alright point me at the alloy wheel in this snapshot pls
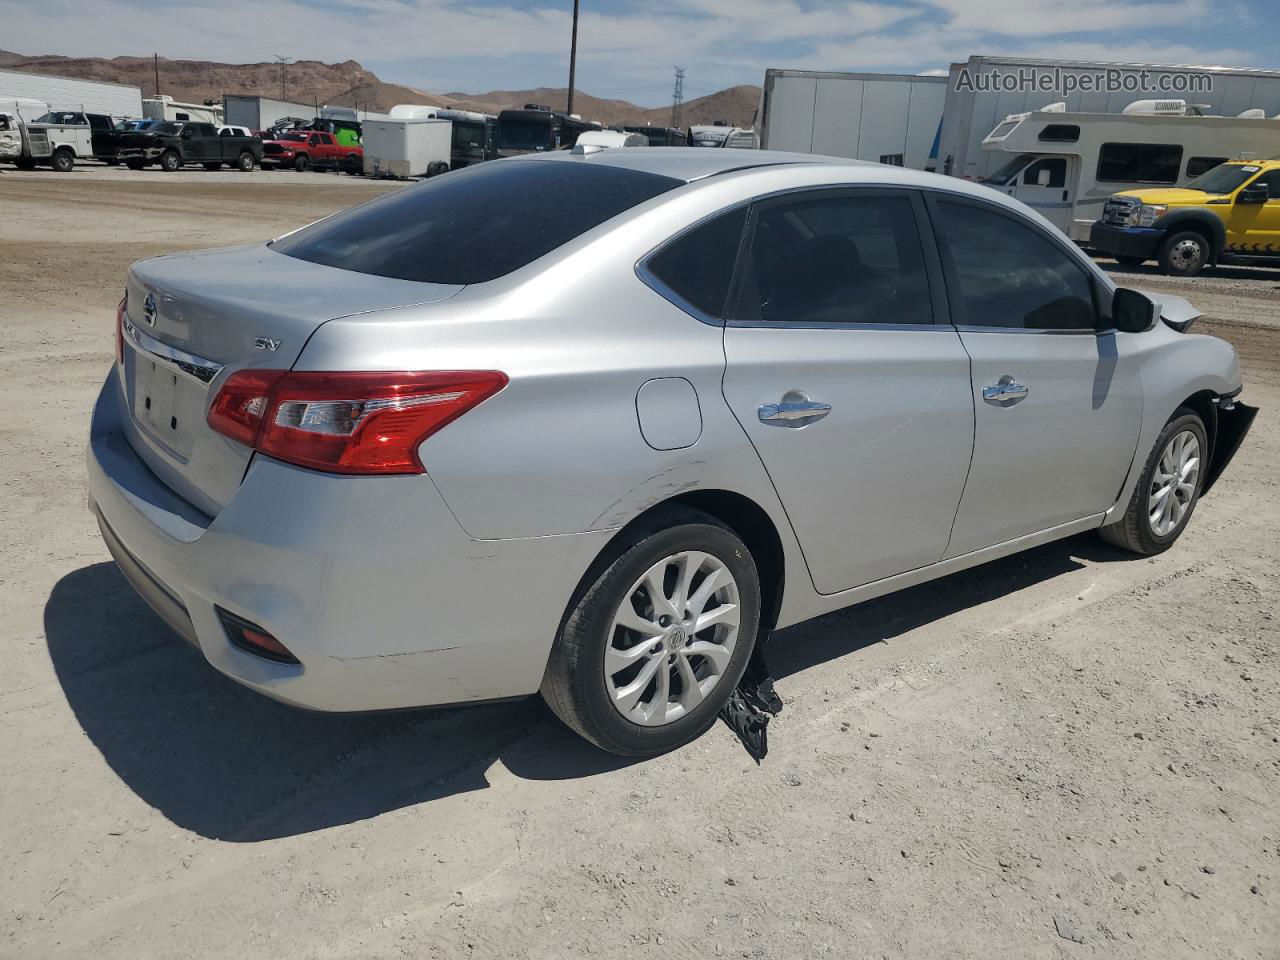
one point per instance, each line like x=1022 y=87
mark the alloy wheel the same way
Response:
x=672 y=638
x=1173 y=483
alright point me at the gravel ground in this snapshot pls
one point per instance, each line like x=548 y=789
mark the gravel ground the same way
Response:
x=1069 y=753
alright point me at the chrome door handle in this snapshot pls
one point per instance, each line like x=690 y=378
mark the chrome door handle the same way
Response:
x=794 y=410
x=1008 y=391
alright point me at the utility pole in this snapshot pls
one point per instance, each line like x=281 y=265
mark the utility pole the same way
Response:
x=573 y=57
x=155 y=62
x=677 y=98
x=284 y=90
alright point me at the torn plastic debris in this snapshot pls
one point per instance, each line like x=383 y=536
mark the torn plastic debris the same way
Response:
x=752 y=705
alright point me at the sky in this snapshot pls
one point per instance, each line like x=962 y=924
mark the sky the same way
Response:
x=627 y=49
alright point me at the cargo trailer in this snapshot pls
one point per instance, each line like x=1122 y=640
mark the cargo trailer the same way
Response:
x=413 y=147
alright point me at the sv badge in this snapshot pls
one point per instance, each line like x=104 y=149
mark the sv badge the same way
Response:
x=265 y=343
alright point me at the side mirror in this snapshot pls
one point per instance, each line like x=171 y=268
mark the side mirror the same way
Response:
x=1044 y=177
x=1131 y=311
x=1253 y=194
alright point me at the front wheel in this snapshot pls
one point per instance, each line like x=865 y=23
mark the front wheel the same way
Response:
x=1168 y=490
x=170 y=161
x=1184 y=254
x=652 y=650
x=302 y=163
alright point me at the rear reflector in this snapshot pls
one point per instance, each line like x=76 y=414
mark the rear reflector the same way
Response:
x=253 y=639
x=359 y=423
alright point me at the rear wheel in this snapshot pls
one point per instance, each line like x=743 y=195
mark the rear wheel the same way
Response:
x=1184 y=254
x=244 y=162
x=1168 y=490
x=302 y=163
x=170 y=161
x=652 y=650
x=63 y=161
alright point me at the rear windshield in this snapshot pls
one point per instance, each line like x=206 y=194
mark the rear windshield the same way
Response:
x=476 y=224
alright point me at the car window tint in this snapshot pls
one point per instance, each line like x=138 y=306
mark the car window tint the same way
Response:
x=476 y=224
x=698 y=266
x=1011 y=275
x=836 y=259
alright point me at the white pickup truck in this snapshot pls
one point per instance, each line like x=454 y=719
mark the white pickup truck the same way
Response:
x=57 y=139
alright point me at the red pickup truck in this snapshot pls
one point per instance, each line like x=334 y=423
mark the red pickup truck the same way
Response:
x=308 y=149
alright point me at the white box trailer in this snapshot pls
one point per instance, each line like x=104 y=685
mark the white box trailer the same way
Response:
x=881 y=117
x=259 y=113
x=67 y=93
x=972 y=111
x=1066 y=165
x=407 y=147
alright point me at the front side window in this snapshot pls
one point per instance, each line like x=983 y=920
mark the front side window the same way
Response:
x=476 y=224
x=1008 y=274
x=1139 y=163
x=1271 y=180
x=1056 y=168
x=836 y=259
x=697 y=266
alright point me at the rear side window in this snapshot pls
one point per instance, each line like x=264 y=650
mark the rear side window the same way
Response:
x=697 y=267
x=836 y=260
x=475 y=224
x=1011 y=275
x=1139 y=163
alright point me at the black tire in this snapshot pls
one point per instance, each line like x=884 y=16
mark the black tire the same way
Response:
x=244 y=162
x=1185 y=253
x=1134 y=530
x=170 y=161
x=113 y=163
x=25 y=163
x=437 y=168
x=64 y=161
x=574 y=683
x=213 y=166
x=1130 y=261
x=302 y=163
x=134 y=164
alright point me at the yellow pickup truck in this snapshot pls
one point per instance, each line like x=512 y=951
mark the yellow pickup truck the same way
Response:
x=1231 y=214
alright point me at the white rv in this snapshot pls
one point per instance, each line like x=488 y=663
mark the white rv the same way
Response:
x=165 y=108
x=1065 y=165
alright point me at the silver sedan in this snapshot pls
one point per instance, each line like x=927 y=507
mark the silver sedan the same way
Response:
x=594 y=423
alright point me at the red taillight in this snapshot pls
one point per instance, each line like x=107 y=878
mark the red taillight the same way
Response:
x=346 y=422
x=124 y=302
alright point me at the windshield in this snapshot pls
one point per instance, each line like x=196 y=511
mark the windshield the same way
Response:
x=1009 y=170
x=170 y=128
x=1223 y=179
x=62 y=116
x=525 y=134
x=475 y=224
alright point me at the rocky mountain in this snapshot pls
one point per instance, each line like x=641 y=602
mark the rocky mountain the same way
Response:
x=350 y=84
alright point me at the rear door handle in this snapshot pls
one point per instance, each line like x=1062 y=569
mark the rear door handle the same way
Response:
x=1005 y=393
x=795 y=409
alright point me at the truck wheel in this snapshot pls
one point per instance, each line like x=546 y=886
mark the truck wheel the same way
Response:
x=63 y=160
x=302 y=163
x=1130 y=261
x=170 y=161
x=213 y=166
x=353 y=163
x=134 y=164
x=1184 y=254
x=244 y=162
x=437 y=168
x=25 y=163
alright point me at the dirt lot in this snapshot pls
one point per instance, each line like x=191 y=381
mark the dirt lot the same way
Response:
x=1066 y=744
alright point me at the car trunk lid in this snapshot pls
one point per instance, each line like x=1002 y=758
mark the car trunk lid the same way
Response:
x=194 y=319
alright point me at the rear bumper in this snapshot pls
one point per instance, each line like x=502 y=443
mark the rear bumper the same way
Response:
x=1125 y=241
x=370 y=582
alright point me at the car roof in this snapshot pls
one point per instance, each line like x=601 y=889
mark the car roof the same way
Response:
x=688 y=163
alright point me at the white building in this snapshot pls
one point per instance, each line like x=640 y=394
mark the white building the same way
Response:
x=65 y=93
